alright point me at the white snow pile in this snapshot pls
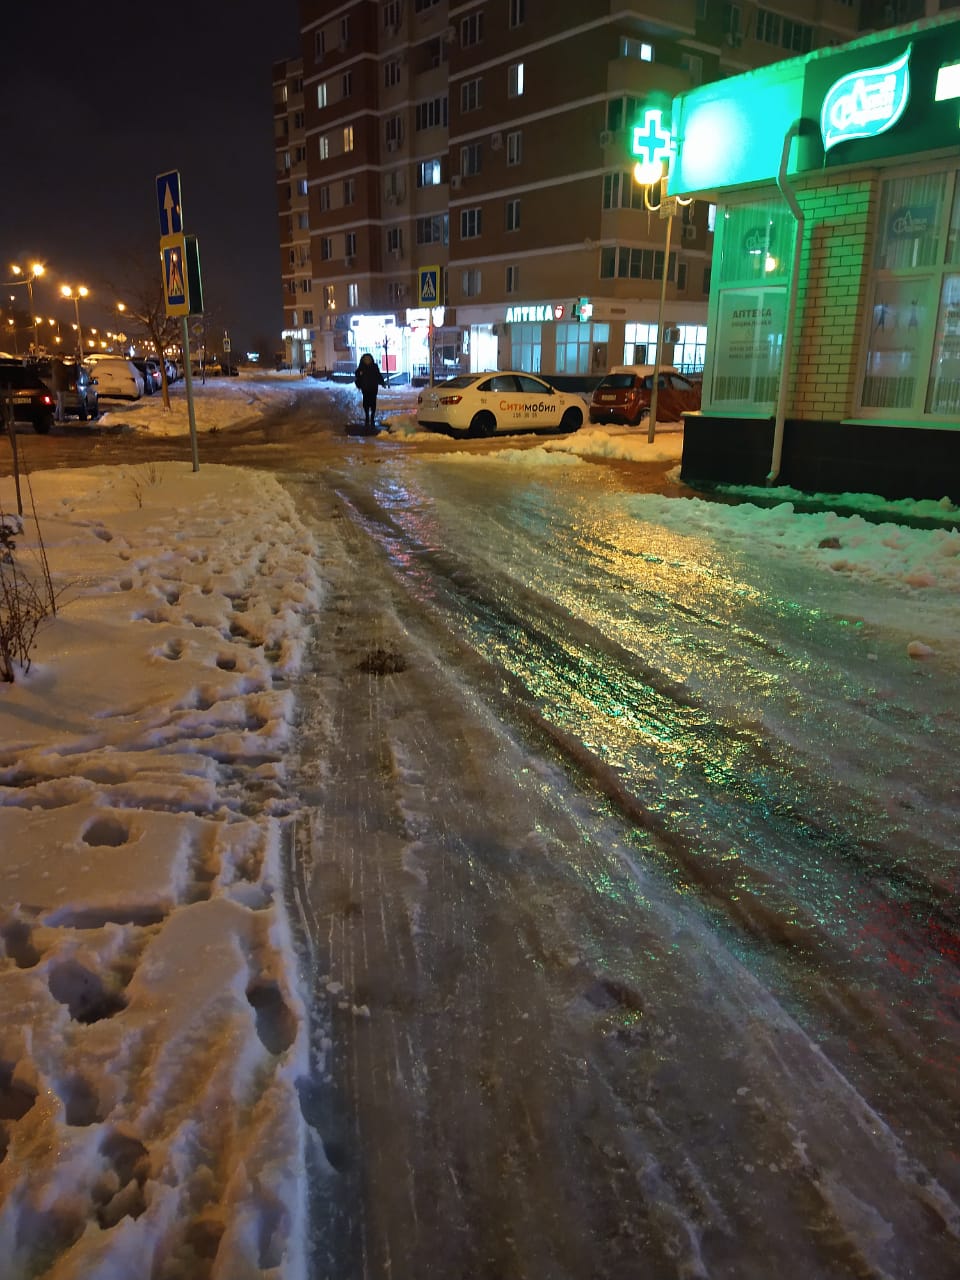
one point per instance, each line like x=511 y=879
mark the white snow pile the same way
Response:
x=151 y=1036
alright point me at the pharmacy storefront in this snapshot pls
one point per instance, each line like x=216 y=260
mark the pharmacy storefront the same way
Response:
x=582 y=337
x=833 y=356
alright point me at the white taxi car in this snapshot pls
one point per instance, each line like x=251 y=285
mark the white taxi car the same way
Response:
x=479 y=404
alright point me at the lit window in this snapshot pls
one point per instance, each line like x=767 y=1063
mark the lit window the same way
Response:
x=323 y=146
x=353 y=295
x=515 y=80
x=428 y=173
x=322 y=94
x=471 y=282
x=639 y=49
x=302 y=187
x=348 y=137
x=329 y=297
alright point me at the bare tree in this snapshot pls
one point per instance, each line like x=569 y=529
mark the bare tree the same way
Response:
x=139 y=290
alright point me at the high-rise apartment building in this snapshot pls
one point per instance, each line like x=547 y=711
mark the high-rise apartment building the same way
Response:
x=480 y=149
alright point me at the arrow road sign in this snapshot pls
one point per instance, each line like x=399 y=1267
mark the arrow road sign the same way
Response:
x=168 y=203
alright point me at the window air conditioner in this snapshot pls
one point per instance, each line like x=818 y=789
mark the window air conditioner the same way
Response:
x=496 y=141
x=690 y=232
x=456 y=182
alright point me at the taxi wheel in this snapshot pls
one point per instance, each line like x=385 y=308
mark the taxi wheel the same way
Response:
x=483 y=424
x=572 y=420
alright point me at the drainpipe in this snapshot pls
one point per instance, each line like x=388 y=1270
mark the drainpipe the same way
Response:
x=787 y=356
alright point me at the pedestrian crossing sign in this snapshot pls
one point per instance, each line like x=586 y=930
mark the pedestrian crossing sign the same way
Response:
x=175 y=290
x=429 y=286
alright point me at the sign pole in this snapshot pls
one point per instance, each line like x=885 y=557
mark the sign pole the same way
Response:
x=188 y=378
x=652 y=424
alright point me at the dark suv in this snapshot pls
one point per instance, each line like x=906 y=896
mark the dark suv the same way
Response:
x=80 y=396
x=27 y=395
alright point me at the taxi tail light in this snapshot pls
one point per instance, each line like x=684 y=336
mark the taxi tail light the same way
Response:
x=450 y=399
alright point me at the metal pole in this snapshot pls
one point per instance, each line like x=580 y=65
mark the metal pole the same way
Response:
x=652 y=424
x=430 y=343
x=36 y=331
x=188 y=378
x=76 y=311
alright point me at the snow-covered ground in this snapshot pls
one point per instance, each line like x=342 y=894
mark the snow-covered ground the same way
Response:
x=152 y=1031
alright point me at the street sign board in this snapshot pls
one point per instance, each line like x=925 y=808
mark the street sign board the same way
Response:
x=428 y=286
x=175 y=290
x=168 y=203
x=226 y=343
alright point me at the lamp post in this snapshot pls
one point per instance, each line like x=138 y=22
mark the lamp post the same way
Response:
x=36 y=271
x=76 y=294
x=654 y=145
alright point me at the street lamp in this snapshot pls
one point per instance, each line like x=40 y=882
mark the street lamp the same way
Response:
x=36 y=271
x=654 y=145
x=76 y=294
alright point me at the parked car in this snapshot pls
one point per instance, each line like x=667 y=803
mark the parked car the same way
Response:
x=81 y=396
x=150 y=372
x=27 y=394
x=117 y=378
x=479 y=404
x=624 y=395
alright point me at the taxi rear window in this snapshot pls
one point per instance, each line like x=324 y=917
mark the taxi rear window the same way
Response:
x=619 y=381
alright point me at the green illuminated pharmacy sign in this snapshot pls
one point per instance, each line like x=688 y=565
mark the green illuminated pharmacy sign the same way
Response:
x=881 y=97
x=865 y=103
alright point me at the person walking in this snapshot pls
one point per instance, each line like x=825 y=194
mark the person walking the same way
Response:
x=369 y=379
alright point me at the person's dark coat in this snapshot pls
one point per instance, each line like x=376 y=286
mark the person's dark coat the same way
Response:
x=368 y=376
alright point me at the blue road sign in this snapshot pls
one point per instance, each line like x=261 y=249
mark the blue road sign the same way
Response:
x=429 y=286
x=168 y=203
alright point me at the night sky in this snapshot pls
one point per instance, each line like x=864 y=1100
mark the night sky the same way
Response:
x=95 y=101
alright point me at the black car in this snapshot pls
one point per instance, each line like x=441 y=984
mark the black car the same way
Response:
x=152 y=377
x=29 y=397
x=79 y=386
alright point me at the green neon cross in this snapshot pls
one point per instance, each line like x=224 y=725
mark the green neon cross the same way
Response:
x=651 y=140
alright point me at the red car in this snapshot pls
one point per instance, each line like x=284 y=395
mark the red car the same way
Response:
x=624 y=395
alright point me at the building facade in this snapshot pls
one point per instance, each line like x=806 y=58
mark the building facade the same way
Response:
x=833 y=355
x=468 y=185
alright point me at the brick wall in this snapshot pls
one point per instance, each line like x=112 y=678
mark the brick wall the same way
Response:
x=835 y=262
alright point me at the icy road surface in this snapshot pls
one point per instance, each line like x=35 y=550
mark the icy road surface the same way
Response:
x=631 y=894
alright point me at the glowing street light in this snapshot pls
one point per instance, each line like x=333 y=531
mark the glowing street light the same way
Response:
x=36 y=271
x=76 y=294
x=654 y=146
